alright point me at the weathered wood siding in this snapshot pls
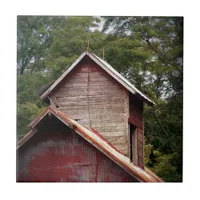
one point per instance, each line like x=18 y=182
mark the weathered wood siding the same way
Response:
x=92 y=97
x=136 y=118
x=58 y=154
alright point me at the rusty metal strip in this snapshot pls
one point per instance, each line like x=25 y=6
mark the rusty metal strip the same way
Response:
x=158 y=179
x=26 y=138
x=37 y=119
x=99 y=142
x=105 y=148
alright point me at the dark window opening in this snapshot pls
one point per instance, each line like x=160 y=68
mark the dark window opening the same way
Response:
x=131 y=141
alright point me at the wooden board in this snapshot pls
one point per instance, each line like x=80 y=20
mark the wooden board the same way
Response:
x=92 y=97
x=136 y=112
x=140 y=147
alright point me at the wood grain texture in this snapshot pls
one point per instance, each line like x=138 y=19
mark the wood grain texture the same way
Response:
x=136 y=118
x=135 y=146
x=136 y=112
x=92 y=97
x=140 y=147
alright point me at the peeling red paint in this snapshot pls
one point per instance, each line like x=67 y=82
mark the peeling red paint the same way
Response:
x=97 y=141
x=57 y=157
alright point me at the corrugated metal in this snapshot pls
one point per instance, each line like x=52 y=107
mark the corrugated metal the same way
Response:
x=60 y=158
x=108 y=68
x=99 y=142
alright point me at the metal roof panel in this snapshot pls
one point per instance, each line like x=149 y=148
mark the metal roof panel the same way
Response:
x=98 y=141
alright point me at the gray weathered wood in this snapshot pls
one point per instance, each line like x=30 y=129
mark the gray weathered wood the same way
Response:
x=98 y=102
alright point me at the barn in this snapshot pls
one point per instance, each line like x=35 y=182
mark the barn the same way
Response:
x=92 y=130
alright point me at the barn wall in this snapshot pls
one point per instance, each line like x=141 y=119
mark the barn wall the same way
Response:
x=136 y=111
x=64 y=156
x=97 y=101
x=136 y=118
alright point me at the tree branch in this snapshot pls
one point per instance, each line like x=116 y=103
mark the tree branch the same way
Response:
x=161 y=126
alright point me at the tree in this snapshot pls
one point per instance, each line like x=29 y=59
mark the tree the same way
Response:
x=76 y=35
x=34 y=36
x=152 y=56
x=154 y=46
x=46 y=46
x=148 y=51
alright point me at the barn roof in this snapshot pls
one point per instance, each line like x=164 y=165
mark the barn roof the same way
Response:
x=98 y=141
x=109 y=69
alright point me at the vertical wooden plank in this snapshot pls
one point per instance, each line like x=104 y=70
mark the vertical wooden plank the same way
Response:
x=129 y=135
x=136 y=112
x=136 y=118
x=140 y=148
x=126 y=116
x=135 y=146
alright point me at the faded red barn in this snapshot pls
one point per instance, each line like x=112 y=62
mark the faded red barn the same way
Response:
x=92 y=131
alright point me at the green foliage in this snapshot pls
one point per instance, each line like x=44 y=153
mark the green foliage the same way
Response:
x=34 y=36
x=70 y=40
x=148 y=51
x=28 y=102
x=150 y=54
x=25 y=114
x=164 y=165
x=46 y=47
x=27 y=85
x=153 y=52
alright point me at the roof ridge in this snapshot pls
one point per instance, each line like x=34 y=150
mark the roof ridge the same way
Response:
x=123 y=78
x=108 y=68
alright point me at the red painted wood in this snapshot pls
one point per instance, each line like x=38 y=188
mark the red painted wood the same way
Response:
x=63 y=155
x=136 y=112
x=140 y=147
x=136 y=118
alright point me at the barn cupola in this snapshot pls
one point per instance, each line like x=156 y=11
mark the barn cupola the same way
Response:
x=98 y=97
